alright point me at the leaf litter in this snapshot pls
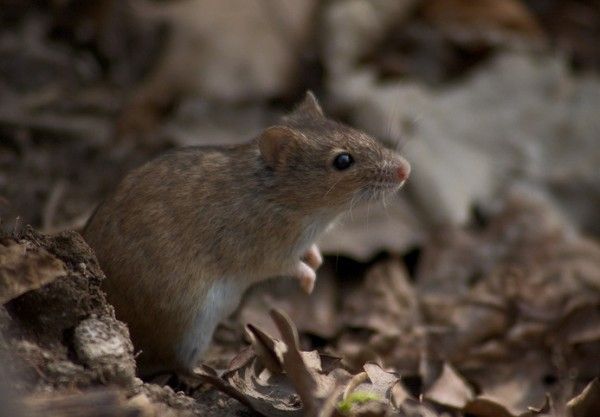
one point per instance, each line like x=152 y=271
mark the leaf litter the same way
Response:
x=516 y=334
x=500 y=320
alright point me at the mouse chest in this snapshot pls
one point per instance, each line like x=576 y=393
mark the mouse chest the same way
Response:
x=315 y=228
x=310 y=231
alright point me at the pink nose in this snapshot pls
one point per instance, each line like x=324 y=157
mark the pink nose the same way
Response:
x=403 y=170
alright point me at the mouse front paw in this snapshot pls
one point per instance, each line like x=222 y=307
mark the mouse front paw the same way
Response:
x=306 y=276
x=313 y=257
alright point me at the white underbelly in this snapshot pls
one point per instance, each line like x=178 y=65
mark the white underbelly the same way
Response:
x=221 y=300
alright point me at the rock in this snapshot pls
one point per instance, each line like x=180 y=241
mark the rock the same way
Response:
x=46 y=324
x=104 y=346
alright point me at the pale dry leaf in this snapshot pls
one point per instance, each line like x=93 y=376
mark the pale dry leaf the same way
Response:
x=400 y=395
x=450 y=389
x=24 y=268
x=382 y=381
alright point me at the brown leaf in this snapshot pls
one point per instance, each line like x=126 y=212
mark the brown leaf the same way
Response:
x=314 y=314
x=265 y=348
x=586 y=404
x=393 y=304
x=207 y=374
x=485 y=407
x=99 y=403
x=392 y=318
x=580 y=325
x=23 y=268
x=450 y=389
x=516 y=383
x=294 y=384
x=483 y=19
x=294 y=365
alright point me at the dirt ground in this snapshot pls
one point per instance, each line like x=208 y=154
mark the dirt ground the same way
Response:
x=492 y=312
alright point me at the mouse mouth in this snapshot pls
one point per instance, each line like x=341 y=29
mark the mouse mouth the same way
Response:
x=386 y=181
x=389 y=184
x=381 y=189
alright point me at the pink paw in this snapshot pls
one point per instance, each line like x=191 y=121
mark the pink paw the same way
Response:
x=313 y=257
x=306 y=276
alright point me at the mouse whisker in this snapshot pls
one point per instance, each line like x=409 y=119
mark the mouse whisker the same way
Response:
x=368 y=215
x=352 y=202
x=358 y=197
x=334 y=184
x=403 y=140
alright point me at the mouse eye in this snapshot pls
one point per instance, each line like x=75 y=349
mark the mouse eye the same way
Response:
x=343 y=161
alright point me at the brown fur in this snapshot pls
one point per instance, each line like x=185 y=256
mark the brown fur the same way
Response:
x=194 y=217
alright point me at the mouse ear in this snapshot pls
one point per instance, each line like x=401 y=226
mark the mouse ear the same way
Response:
x=274 y=143
x=309 y=107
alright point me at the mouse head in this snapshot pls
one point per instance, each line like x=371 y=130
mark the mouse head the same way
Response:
x=318 y=163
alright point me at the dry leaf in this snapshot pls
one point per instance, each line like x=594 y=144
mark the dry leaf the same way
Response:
x=485 y=407
x=482 y=20
x=382 y=382
x=98 y=403
x=313 y=314
x=295 y=383
x=266 y=349
x=450 y=389
x=24 y=268
x=586 y=404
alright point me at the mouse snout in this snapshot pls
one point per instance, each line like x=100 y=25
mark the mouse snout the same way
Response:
x=402 y=170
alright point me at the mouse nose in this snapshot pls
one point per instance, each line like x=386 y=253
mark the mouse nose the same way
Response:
x=403 y=170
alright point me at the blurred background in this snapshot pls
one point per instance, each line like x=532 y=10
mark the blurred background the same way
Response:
x=489 y=254
x=484 y=97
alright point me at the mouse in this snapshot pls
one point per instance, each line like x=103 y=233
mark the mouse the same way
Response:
x=183 y=236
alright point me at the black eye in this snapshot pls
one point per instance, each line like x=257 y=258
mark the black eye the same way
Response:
x=343 y=161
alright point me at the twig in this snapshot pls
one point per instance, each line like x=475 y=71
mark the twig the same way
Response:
x=51 y=206
x=354 y=382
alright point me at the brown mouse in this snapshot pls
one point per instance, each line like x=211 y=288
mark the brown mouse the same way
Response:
x=183 y=236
